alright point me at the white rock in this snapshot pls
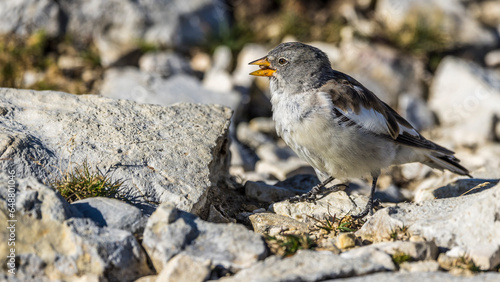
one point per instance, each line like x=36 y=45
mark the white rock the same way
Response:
x=465 y=98
x=451 y=222
x=164 y=63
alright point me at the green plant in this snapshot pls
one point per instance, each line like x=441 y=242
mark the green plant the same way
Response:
x=400 y=257
x=288 y=245
x=83 y=182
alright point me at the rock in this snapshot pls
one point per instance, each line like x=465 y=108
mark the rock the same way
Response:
x=171 y=232
x=131 y=84
x=492 y=58
x=263 y=192
x=52 y=246
x=307 y=265
x=29 y=16
x=420 y=266
x=346 y=240
x=121 y=254
x=166 y=154
x=112 y=213
x=416 y=111
x=273 y=224
x=423 y=276
x=164 y=63
x=222 y=59
x=336 y=203
x=416 y=250
x=456 y=188
x=467 y=114
x=462 y=215
x=185 y=268
x=415 y=171
x=177 y=24
x=449 y=18
x=70 y=63
x=216 y=80
x=282 y=170
x=383 y=70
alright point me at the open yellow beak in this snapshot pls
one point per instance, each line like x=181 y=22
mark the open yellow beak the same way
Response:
x=265 y=67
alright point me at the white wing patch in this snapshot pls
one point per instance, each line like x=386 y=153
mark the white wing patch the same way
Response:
x=368 y=119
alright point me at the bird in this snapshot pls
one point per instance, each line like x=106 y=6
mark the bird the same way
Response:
x=337 y=125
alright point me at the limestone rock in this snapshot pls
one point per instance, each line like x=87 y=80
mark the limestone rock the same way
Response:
x=462 y=215
x=171 y=232
x=112 y=213
x=164 y=63
x=132 y=84
x=28 y=16
x=273 y=224
x=165 y=154
x=448 y=17
x=336 y=203
x=51 y=246
x=465 y=97
x=307 y=265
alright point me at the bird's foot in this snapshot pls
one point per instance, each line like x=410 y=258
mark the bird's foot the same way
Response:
x=368 y=208
x=316 y=193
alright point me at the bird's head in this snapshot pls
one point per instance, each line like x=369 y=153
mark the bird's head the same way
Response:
x=294 y=62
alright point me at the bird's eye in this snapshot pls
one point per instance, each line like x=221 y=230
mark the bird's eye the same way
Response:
x=282 y=61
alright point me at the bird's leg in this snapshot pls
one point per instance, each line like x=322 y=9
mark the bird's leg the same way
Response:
x=370 y=204
x=315 y=191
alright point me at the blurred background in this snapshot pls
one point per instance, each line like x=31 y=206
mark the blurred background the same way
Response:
x=436 y=61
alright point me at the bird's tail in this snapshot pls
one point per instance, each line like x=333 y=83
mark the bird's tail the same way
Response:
x=449 y=162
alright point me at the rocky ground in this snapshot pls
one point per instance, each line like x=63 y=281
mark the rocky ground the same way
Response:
x=184 y=135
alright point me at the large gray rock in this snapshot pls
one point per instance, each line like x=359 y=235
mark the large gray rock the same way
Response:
x=465 y=97
x=132 y=84
x=450 y=18
x=307 y=265
x=112 y=213
x=29 y=16
x=49 y=245
x=163 y=154
x=174 y=23
x=170 y=232
x=470 y=222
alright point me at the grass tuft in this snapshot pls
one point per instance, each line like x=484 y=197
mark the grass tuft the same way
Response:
x=83 y=182
x=288 y=245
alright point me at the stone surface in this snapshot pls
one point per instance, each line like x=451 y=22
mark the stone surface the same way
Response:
x=29 y=16
x=383 y=70
x=176 y=23
x=132 y=84
x=274 y=224
x=416 y=250
x=420 y=266
x=448 y=17
x=465 y=97
x=52 y=246
x=165 y=154
x=171 y=232
x=336 y=203
x=492 y=59
x=426 y=276
x=263 y=192
x=185 y=268
x=346 y=240
x=164 y=63
x=471 y=223
x=455 y=189
x=308 y=265
x=112 y=213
